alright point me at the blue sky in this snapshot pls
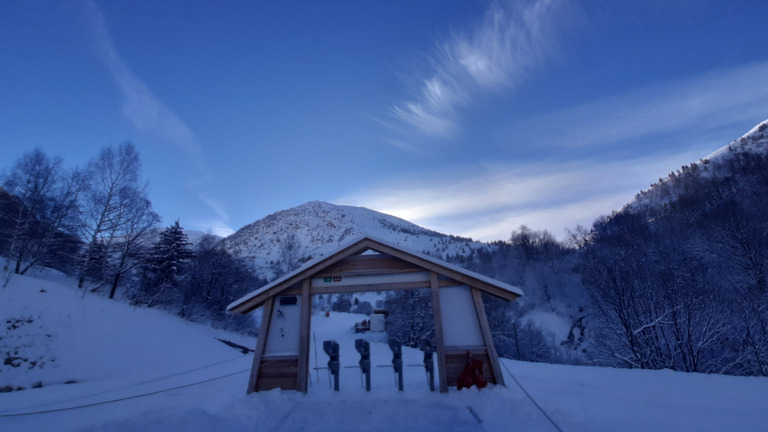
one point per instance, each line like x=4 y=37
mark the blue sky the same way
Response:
x=467 y=117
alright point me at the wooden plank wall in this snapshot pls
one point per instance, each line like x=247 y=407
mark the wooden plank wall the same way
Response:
x=278 y=371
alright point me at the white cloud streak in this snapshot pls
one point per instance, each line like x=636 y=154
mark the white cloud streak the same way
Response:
x=152 y=117
x=141 y=107
x=720 y=98
x=501 y=197
x=556 y=195
x=512 y=40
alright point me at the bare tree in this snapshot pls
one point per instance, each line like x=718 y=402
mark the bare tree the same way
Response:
x=134 y=239
x=289 y=255
x=47 y=203
x=109 y=205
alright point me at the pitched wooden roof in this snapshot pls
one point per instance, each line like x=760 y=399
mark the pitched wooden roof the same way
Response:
x=256 y=298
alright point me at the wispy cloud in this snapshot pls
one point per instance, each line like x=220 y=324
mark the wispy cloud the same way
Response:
x=213 y=226
x=487 y=202
x=152 y=117
x=144 y=110
x=220 y=225
x=716 y=99
x=512 y=40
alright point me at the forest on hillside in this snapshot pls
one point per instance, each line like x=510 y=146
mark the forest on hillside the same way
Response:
x=96 y=224
x=681 y=284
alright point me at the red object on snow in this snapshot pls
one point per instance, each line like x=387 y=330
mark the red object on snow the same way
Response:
x=472 y=374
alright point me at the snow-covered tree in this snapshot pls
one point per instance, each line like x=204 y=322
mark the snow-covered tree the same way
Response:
x=410 y=319
x=165 y=268
x=213 y=280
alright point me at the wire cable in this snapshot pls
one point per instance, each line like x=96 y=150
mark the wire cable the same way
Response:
x=531 y=398
x=123 y=399
x=131 y=385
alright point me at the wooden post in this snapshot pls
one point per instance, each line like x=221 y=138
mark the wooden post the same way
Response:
x=261 y=344
x=306 y=311
x=487 y=336
x=440 y=348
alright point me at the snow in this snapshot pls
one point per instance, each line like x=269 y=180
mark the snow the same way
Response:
x=548 y=321
x=115 y=351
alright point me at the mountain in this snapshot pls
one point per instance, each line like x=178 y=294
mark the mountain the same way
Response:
x=688 y=258
x=717 y=165
x=284 y=240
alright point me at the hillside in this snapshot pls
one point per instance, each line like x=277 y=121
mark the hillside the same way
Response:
x=284 y=240
x=717 y=165
x=141 y=370
x=688 y=258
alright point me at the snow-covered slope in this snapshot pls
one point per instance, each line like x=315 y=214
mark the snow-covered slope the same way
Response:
x=142 y=370
x=754 y=141
x=316 y=228
x=52 y=334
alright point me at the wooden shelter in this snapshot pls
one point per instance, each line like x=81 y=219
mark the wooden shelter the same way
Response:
x=282 y=351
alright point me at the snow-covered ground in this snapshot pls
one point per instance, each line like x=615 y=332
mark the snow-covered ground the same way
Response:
x=134 y=356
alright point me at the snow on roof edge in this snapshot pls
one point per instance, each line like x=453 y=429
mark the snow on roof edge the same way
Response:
x=511 y=288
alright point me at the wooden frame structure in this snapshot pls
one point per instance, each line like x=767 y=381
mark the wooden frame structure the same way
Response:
x=367 y=264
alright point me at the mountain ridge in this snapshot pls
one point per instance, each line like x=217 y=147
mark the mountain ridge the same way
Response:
x=755 y=141
x=282 y=241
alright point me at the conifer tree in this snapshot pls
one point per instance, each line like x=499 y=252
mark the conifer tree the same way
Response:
x=165 y=268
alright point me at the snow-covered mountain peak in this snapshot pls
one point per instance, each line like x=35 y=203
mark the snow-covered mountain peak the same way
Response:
x=287 y=238
x=755 y=141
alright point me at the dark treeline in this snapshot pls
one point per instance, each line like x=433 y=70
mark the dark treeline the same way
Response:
x=96 y=223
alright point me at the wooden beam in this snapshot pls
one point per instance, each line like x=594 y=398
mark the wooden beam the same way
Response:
x=440 y=348
x=256 y=301
x=363 y=265
x=306 y=311
x=447 y=271
x=487 y=336
x=463 y=349
x=261 y=344
x=354 y=251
